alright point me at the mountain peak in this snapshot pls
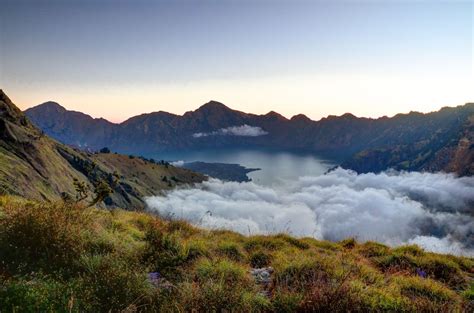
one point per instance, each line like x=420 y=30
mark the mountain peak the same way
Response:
x=276 y=116
x=349 y=116
x=213 y=105
x=51 y=106
x=301 y=117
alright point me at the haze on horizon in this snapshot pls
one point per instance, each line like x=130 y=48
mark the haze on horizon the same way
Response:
x=117 y=59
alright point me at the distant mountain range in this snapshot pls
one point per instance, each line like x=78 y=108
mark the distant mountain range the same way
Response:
x=34 y=166
x=437 y=141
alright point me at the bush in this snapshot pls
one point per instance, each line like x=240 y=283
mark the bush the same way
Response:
x=469 y=293
x=110 y=283
x=331 y=296
x=396 y=262
x=42 y=237
x=443 y=269
x=231 y=250
x=298 y=243
x=263 y=243
x=38 y=293
x=182 y=227
x=260 y=259
x=413 y=250
x=163 y=251
x=348 y=243
x=374 y=249
x=196 y=249
x=221 y=286
x=286 y=302
x=223 y=270
x=217 y=296
x=427 y=288
x=381 y=300
x=299 y=274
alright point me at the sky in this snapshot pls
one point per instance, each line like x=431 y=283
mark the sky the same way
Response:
x=117 y=59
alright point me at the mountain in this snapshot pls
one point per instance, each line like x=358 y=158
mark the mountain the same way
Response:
x=35 y=166
x=73 y=128
x=436 y=141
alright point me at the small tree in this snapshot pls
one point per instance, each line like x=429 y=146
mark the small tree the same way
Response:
x=82 y=190
x=101 y=190
x=104 y=150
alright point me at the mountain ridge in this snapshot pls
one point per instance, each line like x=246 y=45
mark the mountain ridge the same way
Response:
x=355 y=142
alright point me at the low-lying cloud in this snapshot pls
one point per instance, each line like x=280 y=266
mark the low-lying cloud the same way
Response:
x=434 y=211
x=243 y=130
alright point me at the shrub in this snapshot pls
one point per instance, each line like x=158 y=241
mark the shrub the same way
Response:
x=469 y=293
x=396 y=262
x=221 y=286
x=196 y=248
x=163 y=251
x=411 y=250
x=294 y=242
x=348 y=243
x=230 y=250
x=369 y=275
x=443 y=269
x=373 y=249
x=426 y=288
x=109 y=283
x=299 y=274
x=218 y=296
x=222 y=270
x=286 y=302
x=263 y=242
x=182 y=227
x=38 y=293
x=44 y=236
x=260 y=259
x=331 y=296
x=382 y=300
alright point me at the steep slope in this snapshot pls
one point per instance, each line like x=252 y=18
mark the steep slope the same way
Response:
x=34 y=166
x=412 y=141
x=444 y=142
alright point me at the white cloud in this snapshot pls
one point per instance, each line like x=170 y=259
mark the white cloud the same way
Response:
x=178 y=163
x=432 y=210
x=243 y=130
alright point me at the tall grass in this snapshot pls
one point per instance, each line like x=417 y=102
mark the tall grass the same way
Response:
x=57 y=257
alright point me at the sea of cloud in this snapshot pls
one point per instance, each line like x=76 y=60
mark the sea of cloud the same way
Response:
x=435 y=211
x=243 y=130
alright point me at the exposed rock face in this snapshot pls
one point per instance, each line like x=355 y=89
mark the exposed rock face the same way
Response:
x=435 y=141
x=34 y=166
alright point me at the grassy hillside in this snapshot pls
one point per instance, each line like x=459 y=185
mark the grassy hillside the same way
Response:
x=58 y=257
x=35 y=166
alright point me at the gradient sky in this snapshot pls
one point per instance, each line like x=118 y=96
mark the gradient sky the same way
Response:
x=116 y=59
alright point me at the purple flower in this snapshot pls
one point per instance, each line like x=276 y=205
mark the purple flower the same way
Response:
x=154 y=277
x=421 y=273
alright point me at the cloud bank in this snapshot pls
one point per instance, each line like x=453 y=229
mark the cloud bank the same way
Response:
x=243 y=130
x=434 y=211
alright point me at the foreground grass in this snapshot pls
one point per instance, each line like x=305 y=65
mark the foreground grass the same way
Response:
x=58 y=258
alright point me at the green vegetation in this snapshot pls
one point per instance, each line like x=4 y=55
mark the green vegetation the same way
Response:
x=63 y=257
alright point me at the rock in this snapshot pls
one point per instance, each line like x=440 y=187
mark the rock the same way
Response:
x=263 y=277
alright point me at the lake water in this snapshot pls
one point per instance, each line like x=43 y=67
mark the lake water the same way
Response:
x=276 y=167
